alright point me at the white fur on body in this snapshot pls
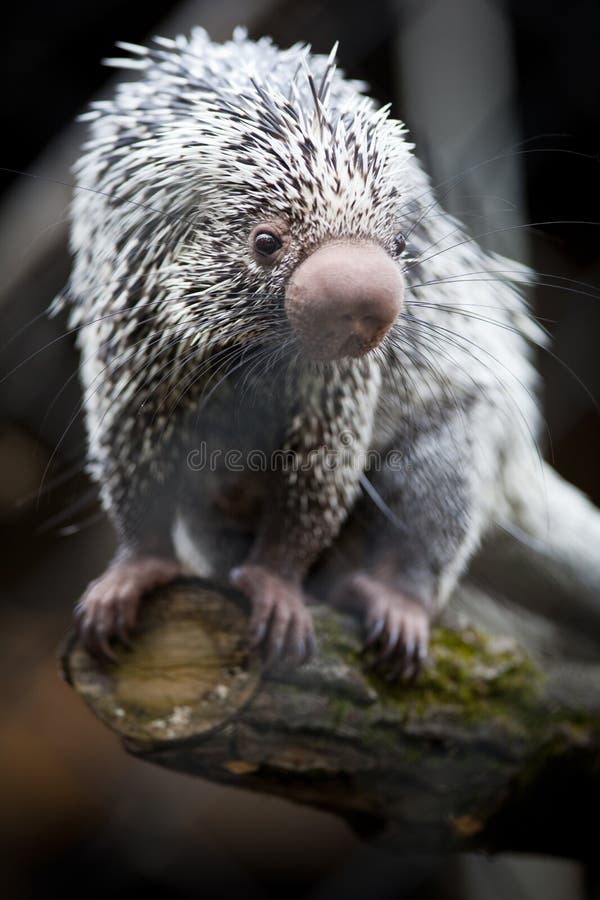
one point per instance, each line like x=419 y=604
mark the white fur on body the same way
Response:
x=178 y=168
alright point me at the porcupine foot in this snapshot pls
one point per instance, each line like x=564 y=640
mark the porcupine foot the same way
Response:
x=396 y=626
x=108 y=609
x=280 y=623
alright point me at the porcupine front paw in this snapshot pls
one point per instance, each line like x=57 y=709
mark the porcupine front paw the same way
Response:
x=280 y=623
x=396 y=626
x=108 y=609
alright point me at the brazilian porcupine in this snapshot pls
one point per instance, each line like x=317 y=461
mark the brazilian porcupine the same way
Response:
x=260 y=264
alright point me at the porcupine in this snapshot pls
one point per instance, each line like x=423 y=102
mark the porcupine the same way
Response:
x=260 y=262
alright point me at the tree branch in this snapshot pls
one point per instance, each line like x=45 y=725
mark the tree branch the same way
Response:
x=477 y=753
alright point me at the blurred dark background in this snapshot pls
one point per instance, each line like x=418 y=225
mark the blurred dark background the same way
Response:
x=504 y=94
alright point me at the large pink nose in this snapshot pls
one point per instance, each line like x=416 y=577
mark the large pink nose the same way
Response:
x=343 y=299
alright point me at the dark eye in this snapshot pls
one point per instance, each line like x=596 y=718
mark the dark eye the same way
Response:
x=400 y=243
x=266 y=243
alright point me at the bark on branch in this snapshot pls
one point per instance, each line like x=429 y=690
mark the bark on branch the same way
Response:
x=495 y=746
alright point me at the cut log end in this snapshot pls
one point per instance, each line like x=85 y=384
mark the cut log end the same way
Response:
x=187 y=673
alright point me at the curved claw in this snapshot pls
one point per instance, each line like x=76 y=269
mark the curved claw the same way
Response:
x=122 y=633
x=257 y=634
x=374 y=631
x=391 y=645
x=105 y=648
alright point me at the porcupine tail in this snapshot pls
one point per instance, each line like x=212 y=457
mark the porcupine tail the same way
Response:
x=543 y=561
